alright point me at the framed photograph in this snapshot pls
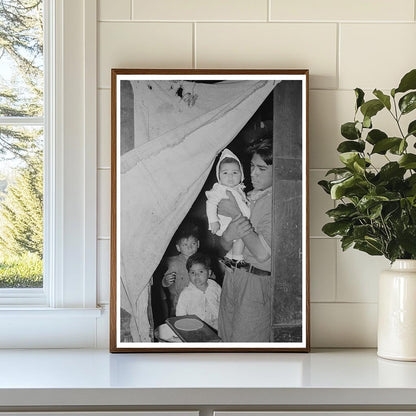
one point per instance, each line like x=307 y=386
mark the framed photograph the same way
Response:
x=209 y=211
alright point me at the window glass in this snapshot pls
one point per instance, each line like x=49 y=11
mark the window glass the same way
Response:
x=21 y=143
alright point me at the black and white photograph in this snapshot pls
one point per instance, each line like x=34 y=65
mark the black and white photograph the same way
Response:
x=209 y=211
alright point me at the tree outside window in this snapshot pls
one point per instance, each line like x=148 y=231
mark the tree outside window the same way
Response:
x=21 y=143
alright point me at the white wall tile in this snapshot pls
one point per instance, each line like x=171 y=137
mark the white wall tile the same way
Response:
x=104 y=202
x=114 y=10
x=142 y=45
x=340 y=10
x=371 y=55
x=376 y=55
x=200 y=10
x=103 y=271
x=104 y=129
x=357 y=275
x=328 y=110
x=319 y=203
x=258 y=45
x=349 y=325
x=323 y=269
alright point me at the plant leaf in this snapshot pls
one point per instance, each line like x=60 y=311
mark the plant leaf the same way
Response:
x=375 y=211
x=325 y=186
x=342 y=211
x=338 y=189
x=411 y=130
x=375 y=136
x=367 y=122
x=398 y=149
x=349 y=146
x=383 y=145
x=360 y=232
x=393 y=250
x=346 y=242
x=359 y=95
x=385 y=99
x=408 y=82
x=368 y=201
x=371 y=108
x=354 y=188
x=359 y=165
x=336 y=228
x=349 y=131
x=408 y=102
x=368 y=248
x=407 y=239
x=402 y=147
x=338 y=171
x=354 y=161
x=408 y=161
x=391 y=170
x=348 y=158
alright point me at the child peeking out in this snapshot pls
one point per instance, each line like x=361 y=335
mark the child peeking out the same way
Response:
x=202 y=295
x=176 y=276
x=230 y=178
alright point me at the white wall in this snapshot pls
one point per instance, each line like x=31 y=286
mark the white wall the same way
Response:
x=345 y=44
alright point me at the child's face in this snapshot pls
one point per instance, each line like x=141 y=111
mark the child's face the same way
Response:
x=198 y=275
x=187 y=246
x=230 y=174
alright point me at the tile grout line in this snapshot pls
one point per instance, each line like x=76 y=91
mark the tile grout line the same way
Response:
x=306 y=22
x=131 y=9
x=345 y=302
x=323 y=237
x=336 y=271
x=269 y=11
x=194 y=63
x=338 y=63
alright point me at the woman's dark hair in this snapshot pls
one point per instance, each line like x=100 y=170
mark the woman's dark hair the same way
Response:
x=198 y=258
x=264 y=148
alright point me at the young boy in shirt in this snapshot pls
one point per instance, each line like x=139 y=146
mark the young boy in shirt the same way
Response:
x=202 y=295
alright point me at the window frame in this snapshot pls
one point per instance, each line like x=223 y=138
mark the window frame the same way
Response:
x=67 y=304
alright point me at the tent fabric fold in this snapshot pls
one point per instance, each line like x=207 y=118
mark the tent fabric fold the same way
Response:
x=180 y=127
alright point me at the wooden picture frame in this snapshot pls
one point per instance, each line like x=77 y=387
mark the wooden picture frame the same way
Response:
x=169 y=132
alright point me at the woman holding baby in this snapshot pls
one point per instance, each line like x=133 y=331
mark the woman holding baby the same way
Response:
x=245 y=306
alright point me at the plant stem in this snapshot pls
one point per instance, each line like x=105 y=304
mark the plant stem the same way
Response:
x=397 y=118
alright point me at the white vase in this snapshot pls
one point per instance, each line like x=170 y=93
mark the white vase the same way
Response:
x=397 y=312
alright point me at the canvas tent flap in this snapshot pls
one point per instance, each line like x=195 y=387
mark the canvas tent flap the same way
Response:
x=162 y=176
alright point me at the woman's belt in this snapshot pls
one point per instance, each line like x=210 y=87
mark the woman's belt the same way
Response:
x=242 y=265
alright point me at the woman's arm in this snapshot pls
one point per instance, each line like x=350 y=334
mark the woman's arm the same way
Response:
x=238 y=228
x=241 y=227
x=256 y=247
x=228 y=206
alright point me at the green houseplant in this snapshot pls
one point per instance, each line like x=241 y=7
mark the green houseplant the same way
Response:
x=376 y=210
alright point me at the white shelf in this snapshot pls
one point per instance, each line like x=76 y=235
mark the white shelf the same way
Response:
x=335 y=378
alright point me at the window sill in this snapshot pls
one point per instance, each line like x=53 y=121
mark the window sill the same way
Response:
x=34 y=311
x=37 y=327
